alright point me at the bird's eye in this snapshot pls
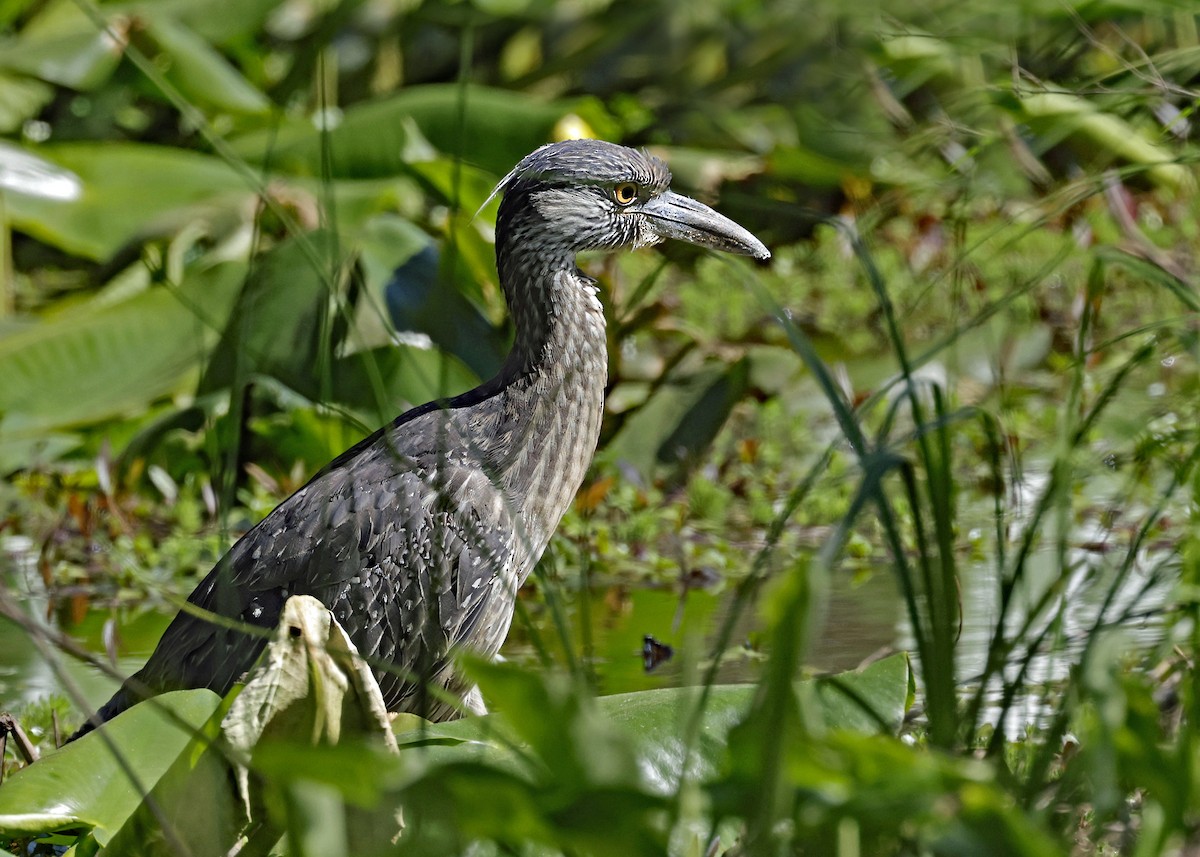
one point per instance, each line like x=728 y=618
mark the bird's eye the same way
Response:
x=625 y=193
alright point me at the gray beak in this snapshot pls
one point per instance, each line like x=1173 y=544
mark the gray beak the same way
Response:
x=675 y=216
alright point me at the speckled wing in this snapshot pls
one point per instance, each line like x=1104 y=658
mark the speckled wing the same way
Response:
x=413 y=553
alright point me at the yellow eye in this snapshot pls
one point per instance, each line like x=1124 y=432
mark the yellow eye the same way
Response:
x=625 y=193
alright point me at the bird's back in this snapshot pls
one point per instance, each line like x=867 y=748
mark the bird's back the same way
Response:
x=405 y=538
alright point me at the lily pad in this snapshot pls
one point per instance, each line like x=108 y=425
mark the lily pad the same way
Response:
x=83 y=786
x=655 y=721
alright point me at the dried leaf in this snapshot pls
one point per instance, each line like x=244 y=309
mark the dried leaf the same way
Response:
x=311 y=685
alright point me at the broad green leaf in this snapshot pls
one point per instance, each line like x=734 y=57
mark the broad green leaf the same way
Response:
x=317 y=822
x=464 y=185
x=420 y=299
x=330 y=799
x=428 y=287
x=63 y=45
x=919 y=57
x=219 y=21
x=281 y=326
x=457 y=803
x=200 y=72
x=555 y=785
x=503 y=8
x=386 y=242
x=192 y=806
x=128 y=190
x=158 y=425
x=34 y=450
x=548 y=713
x=453 y=804
x=86 y=365
x=681 y=419
x=281 y=329
x=409 y=375
x=872 y=699
x=359 y=769
x=654 y=721
x=811 y=167
x=20 y=99
x=82 y=785
x=373 y=139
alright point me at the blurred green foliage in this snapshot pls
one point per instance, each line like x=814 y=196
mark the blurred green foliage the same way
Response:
x=972 y=360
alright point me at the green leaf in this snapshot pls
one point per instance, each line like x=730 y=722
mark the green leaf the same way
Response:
x=281 y=329
x=811 y=167
x=1109 y=131
x=548 y=713
x=63 y=45
x=408 y=375
x=110 y=209
x=330 y=798
x=872 y=699
x=30 y=450
x=82 y=785
x=526 y=774
x=191 y=807
x=200 y=72
x=358 y=769
x=220 y=21
x=422 y=286
x=279 y=324
x=681 y=419
x=502 y=8
x=98 y=361
x=374 y=139
x=653 y=720
x=419 y=298
x=385 y=242
x=20 y=99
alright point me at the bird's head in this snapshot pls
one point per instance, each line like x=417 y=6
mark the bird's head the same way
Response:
x=592 y=195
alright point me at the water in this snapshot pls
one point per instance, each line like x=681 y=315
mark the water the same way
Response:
x=863 y=616
x=610 y=625
x=1093 y=583
x=25 y=675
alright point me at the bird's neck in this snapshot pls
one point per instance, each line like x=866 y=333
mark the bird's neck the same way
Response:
x=550 y=392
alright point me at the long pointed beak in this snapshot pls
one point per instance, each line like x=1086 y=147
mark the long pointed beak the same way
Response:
x=674 y=216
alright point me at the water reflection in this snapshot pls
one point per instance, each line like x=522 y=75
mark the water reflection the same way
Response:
x=25 y=676
x=1059 y=610
x=606 y=629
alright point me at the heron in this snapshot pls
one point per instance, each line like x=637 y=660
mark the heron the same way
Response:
x=418 y=537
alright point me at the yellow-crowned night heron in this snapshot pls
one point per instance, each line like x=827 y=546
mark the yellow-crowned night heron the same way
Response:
x=418 y=537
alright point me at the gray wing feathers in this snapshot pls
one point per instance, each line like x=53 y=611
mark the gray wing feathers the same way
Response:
x=414 y=557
